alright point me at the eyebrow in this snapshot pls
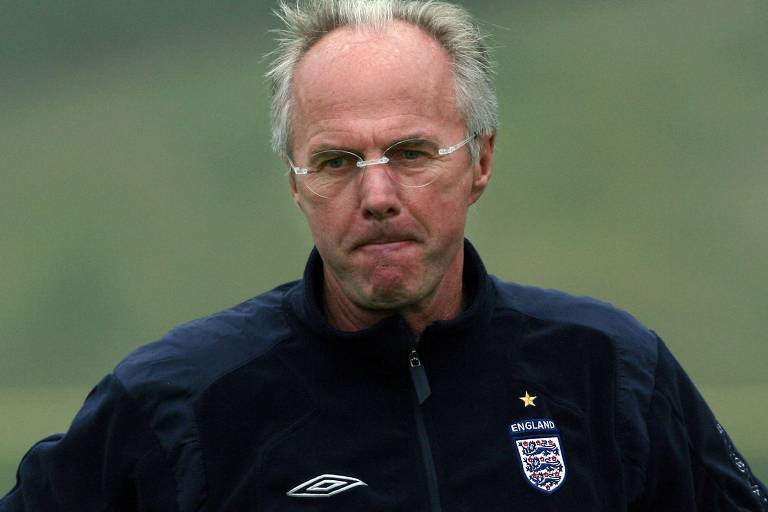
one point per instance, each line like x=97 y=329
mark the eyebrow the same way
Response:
x=421 y=136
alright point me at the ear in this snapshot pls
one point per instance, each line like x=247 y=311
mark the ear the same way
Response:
x=482 y=170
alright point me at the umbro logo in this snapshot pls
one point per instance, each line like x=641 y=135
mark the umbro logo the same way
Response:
x=324 y=486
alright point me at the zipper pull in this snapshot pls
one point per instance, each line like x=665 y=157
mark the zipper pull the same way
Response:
x=419 y=377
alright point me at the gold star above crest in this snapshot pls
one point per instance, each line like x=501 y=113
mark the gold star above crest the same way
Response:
x=528 y=400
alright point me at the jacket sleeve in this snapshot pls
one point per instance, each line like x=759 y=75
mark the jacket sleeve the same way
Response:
x=692 y=463
x=109 y=460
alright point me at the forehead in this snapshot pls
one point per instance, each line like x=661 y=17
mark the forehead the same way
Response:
x=353 y=76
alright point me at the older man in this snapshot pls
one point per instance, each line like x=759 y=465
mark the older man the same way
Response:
x=396 y=375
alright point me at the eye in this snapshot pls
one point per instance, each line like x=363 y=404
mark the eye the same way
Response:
x=411 y=154
x=333 y=162
x=408 y=155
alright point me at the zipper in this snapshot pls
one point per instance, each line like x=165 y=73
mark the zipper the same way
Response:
x=419 y=377
x=421 y=386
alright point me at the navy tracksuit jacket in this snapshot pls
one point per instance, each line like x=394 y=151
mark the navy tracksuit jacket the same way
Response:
x=529 y=400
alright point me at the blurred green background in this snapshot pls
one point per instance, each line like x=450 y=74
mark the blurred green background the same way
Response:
x=139 y=191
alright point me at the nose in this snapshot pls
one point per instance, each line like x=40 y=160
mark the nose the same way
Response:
x=379 y=198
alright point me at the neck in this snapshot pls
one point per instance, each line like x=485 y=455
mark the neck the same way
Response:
x=444 y=302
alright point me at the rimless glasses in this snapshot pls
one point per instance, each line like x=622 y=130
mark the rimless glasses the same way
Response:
x=412 y=163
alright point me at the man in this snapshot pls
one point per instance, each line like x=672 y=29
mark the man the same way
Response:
x=396 y=375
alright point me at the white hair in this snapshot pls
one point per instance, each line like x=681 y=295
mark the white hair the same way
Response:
x=307 y=21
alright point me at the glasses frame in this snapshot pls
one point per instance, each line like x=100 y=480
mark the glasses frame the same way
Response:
x=383 y=160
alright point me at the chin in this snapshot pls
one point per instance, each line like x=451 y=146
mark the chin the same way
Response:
x=387 y=302
x=393 y=293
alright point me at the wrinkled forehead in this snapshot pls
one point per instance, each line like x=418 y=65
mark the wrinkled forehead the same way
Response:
x=358 y=68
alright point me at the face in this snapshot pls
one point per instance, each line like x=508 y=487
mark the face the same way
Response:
x=384 y=246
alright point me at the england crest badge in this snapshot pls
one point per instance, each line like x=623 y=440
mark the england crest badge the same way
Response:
x=540 y=453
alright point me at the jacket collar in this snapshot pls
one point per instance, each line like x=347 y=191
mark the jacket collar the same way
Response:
x=391 y=337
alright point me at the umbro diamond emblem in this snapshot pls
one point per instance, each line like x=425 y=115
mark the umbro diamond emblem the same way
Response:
x=324 y=486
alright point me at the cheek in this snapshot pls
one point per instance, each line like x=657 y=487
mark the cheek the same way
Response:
x=326 y=222
x=447 y=209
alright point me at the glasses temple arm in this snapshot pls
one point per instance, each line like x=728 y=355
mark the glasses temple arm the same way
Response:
x=451 y=149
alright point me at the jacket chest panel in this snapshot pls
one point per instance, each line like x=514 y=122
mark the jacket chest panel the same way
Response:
x=475 y=426
x=353 y=443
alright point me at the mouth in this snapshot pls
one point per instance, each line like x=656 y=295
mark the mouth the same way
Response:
x=393 y=243
x=385 y=243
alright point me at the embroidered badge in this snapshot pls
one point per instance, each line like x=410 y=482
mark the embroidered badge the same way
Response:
x=540 y=453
